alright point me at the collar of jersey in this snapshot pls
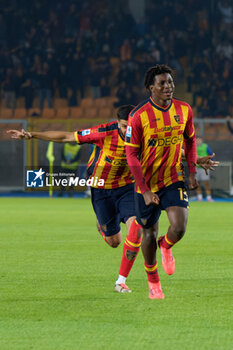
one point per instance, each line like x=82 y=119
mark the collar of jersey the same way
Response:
x=161 y=108
x=121 y=136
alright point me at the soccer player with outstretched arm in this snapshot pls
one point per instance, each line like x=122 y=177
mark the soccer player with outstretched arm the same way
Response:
x=156 y=131
x=114 y=202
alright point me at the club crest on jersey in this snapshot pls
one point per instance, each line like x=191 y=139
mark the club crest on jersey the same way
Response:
x=86 y=132
x=130 y=255
x=177 y=118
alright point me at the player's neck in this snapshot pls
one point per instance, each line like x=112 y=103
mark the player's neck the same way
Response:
x=160 y=102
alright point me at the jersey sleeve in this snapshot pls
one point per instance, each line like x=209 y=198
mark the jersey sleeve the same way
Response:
x=133 y=135
x=189 y=128
x=133 y=139
x=136 y=168
x=94 y=135
x=190 y=147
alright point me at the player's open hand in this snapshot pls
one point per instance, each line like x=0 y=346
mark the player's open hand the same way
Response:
x=150 y=198
x=207 y=163
x=19 y=135
x=193 y=184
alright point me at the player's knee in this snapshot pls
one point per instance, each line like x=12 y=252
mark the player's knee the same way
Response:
x=114 y=242
x=149 y=236
x=179 y=230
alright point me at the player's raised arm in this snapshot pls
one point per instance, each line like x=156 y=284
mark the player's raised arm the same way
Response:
x=94 y=135
x=55 y=136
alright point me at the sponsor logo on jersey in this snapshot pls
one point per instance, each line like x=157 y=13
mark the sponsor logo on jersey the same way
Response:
x=167 y=128
x=117 y=162
x=166 y=141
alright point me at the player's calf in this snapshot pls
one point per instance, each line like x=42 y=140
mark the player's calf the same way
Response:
x=130 y=251
x=178 y=220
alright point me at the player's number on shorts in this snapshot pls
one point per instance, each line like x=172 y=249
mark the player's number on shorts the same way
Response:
x=183 y=195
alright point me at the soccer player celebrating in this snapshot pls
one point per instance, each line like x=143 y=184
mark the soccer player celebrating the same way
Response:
x=156 y=129
x=114 y=201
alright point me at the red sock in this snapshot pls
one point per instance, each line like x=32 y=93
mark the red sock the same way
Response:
x=130 y=250
x=165 y=242
x=152 y=272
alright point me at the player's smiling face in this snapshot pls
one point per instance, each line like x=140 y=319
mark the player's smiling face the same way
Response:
x=163 y=88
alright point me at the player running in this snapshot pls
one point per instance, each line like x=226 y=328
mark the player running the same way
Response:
x=157 y=128
x=114 y=202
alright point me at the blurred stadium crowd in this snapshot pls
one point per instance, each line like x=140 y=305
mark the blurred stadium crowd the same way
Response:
x=70 y=50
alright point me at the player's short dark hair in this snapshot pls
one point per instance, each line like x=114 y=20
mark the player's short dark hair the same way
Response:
x=153 y=71
x=123 y=111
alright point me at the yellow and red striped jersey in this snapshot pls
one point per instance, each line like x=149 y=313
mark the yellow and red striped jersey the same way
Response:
x=158 y=132
x=108 y=159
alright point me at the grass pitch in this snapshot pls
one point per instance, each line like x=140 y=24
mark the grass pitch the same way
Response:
x=57 y=277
